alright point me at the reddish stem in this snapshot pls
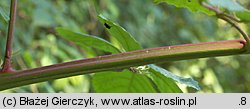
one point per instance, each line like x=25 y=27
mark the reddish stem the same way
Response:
x=121 y=61
x=8 y=51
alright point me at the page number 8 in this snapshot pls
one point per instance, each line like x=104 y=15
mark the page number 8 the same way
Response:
x=243 y=101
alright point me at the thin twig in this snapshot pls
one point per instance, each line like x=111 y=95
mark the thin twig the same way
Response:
x=8 y=51
x=244 y=34
x=218 y=12
x=230 y=20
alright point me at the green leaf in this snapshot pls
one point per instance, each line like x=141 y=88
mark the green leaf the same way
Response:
x=230 y=5
x=187 y=81
x=123 y=37
x=121 y=82
x=4 y=14
x=192 y=5
x=87 y=40
x=244 y=16
x=164 y=84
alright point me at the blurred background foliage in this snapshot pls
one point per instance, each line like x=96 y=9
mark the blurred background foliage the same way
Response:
x=36 y=43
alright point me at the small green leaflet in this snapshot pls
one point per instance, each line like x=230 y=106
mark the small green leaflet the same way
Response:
x=192 y=5
x=187 y=81
x=244 y=16
x=121 y=82
x=87 y=40
x=123 y=37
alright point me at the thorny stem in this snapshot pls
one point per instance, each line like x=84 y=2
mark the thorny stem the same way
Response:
x=230 y=20
x=8 y=51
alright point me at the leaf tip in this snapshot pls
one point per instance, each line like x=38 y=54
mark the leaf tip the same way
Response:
x=156 y=1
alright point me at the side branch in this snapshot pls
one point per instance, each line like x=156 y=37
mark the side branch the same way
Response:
x=121 y=61
x=231 y=20
x=8 y=51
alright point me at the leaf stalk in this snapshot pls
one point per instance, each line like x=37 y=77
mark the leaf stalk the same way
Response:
x=8 y=51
